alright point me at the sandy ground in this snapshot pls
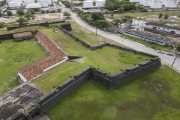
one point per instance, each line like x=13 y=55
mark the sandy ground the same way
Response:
x=38 y=18
x=49 y=16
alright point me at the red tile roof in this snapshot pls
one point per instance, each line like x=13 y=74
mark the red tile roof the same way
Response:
x=56 y=55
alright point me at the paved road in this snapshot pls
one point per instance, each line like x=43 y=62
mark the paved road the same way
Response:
x=166 y=59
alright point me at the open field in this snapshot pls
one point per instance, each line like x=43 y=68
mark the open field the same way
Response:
x=107 y=59
x=141 y=14
x=155 y=96
x=149 y=44
x=151 y=16
x=13 y=56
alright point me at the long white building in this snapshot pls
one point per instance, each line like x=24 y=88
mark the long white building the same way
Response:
x=158 y=4
x=15 y=4
x=94 y=3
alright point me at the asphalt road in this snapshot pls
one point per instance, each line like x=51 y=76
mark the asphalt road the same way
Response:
x=166 y=59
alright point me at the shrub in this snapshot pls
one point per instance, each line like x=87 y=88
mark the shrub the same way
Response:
x=20 y=12
x=2 y=24
x=9 y=13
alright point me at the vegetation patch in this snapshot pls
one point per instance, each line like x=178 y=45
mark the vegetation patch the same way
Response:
x=13 y=56
x=150 y=97
x=108 y=59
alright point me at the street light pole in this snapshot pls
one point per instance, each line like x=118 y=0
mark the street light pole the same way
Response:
x=174 y=60
x=176 y=55
x=96 y=29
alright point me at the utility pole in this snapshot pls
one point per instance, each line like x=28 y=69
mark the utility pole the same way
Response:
x=96 y=29
x=174 y=60
x=5 y=84
x=176 y=55
x=96 y=26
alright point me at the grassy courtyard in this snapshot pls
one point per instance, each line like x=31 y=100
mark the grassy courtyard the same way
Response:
x=13 y=56
x=155 y=96
x=107 y=59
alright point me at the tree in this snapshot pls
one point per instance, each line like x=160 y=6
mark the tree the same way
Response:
x=97 y=16
x=9 y=13
x=166 y=17
x=59 y=10
x=0 y=12
x=32 y=12
x=110 y=5
x=20 y=12
x=47 y=11
x=4 y=2
x=22 y=20
x=2 y=24
x=42 y=11
x=178 y=47
x=66 y=14
x=160 y=15
x=121 y=9
x=117 y=21
x=28 y=16
x=103 y=24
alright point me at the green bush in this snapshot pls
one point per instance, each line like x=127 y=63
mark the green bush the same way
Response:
x=2 y=24
x=9 y=13
x=20 y=12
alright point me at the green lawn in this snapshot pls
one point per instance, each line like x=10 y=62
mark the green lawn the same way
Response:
x=141 y=14
x=148 y=14
x=149 y=44
x=107 y=59
x=88 y=36
x=155 y=96
x=13 y=56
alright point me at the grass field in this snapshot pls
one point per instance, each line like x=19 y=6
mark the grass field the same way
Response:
x=141 y=14
x=149 y=44
x=149 y=14
x=13 y=56
x=107 y=59
x=155 y=96
x=88 y=36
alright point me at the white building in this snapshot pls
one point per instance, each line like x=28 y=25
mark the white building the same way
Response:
x=14 y=4
x=100 y=3
x=88 y=4
x=94 y=3
x=33 y=6
x=50 y=2
x=158 y=4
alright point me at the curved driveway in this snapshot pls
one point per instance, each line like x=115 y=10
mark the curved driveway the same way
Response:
x=166 y=59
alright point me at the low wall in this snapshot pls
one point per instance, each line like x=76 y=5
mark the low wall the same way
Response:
x=10 y=35
x=6 y=36
x=45 y=24
x=64 y=90
x=110 y=81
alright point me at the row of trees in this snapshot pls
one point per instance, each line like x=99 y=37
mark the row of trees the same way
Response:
x=123 y=5
x=165 y=16
x=47 y=11
x=96 y=19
